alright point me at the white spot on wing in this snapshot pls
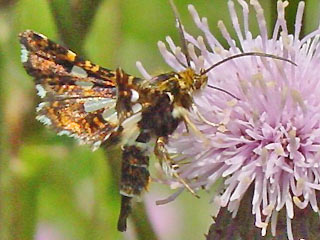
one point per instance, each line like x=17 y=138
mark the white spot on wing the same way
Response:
x=96 y=104
x=108 y=113
x=113 y=118
x=40 y=106
x=136 y=108
x=41 y=91
x=79 y=72
x=131 y=121
x=24 y=54
x=96 y=145
x=64 y=132
x=134 y=95
x=77 y=137
x=43 y=119
x=84 y=84
x=130 y=129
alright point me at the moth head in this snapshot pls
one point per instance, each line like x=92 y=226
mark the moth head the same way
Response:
x=200 y=81
x=190 y=80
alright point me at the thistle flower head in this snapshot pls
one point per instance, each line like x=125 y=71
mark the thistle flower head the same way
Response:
x=268 y=139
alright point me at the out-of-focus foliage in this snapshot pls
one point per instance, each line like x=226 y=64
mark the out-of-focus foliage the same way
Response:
x=50 y=187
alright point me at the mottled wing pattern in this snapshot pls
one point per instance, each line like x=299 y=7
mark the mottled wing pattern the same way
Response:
x=79 y=97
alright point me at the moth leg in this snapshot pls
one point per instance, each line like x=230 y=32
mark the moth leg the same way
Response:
x=135 y=178
x=194 y=129
x=167 y=164
x=186 y=125
x=202 y=118
x=162 y=154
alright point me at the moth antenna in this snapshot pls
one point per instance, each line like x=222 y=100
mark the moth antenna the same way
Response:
x=243 y=55
x=181 y=33
x=222 y=90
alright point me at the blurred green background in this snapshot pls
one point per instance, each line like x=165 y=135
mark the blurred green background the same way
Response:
x=51 y=188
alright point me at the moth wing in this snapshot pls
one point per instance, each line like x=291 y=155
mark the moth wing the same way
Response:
x=79 y=97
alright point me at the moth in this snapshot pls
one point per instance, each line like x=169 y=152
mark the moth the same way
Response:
x=99 y=106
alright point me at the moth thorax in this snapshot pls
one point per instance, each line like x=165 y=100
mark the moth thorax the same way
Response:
x=193 y=80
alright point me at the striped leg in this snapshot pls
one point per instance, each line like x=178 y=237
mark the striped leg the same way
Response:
x=167 y=164
x=162 y=154
x=134 y=179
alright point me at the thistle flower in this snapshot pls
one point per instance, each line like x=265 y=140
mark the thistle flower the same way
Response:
x=268 y=138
